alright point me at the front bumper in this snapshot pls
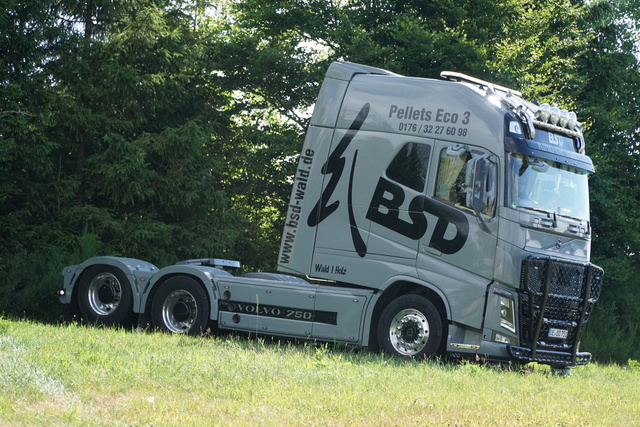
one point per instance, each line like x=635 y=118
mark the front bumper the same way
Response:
x=548 y=357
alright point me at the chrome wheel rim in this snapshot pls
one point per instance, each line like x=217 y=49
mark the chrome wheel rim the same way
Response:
x=179 y=311
x=409 y=332
x=105 y=294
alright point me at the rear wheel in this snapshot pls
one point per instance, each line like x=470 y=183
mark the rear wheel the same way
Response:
x=410 y=326
x=104 y=296
x=181 y=306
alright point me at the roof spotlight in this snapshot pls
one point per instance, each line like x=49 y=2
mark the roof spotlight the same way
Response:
x=564 y=118
x=573 y=120
x=544 y=112
x=555 y=115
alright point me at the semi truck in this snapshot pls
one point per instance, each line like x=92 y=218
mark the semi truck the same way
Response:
x=427 y=217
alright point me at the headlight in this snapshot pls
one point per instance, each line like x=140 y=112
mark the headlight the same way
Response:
x=507 y=314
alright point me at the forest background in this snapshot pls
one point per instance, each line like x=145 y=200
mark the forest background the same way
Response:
x=167 y=130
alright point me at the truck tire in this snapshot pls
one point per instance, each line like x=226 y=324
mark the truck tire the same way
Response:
x=411 y=327
x=180 y=306
x=105 y=296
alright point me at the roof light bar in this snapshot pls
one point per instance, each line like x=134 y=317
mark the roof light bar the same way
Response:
x=552 y=117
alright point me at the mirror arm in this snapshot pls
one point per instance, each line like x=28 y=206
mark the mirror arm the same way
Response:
x=482 y=220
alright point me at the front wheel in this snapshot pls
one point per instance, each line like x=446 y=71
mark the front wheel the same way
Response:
x=181 y=306
x=410 y=326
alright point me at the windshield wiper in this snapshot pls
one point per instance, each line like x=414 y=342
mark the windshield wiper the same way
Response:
x=548 y=213
x=575 y=218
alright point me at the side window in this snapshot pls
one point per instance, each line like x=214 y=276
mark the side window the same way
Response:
x=409 y=166
x=467 y=179
x=452 y=175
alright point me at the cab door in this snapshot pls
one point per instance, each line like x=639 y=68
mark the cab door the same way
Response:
x=457 y=252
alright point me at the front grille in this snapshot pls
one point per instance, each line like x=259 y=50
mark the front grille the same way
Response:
x=556 y=300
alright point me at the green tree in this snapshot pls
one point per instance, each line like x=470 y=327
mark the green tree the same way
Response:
x=611 y=99
x=274 y=81
x=112 y=129
x=27 y=42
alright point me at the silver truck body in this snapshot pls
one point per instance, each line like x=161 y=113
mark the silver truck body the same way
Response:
x=456 y=192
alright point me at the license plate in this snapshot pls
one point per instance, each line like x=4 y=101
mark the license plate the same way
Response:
x=558 y=333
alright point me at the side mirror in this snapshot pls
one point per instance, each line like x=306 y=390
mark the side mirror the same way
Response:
x=481 y=181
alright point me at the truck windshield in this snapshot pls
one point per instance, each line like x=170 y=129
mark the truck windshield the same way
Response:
x=547 y=186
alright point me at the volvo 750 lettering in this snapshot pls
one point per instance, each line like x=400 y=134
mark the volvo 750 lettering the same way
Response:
x=429 y=217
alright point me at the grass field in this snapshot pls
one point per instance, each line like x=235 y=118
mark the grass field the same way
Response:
x=76 y=375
